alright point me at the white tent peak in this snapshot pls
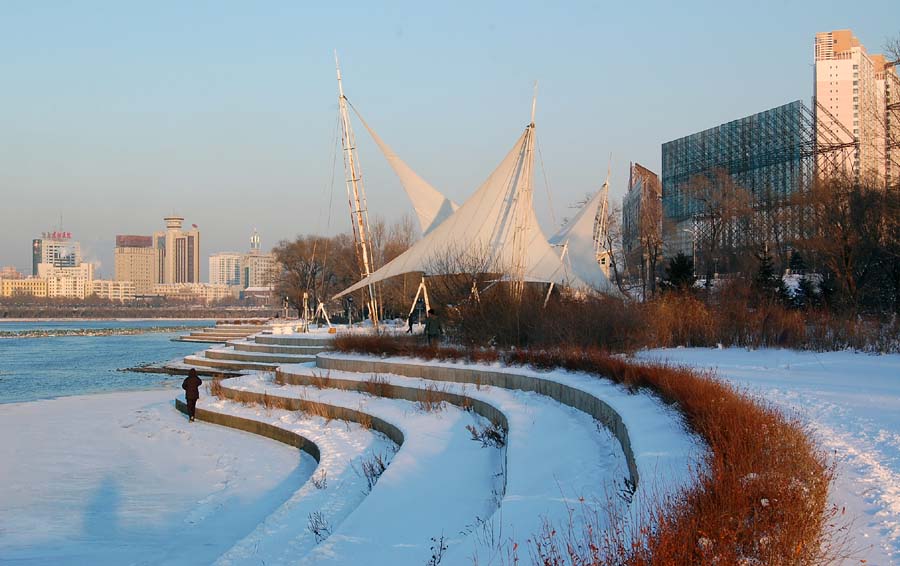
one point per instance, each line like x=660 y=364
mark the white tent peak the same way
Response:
x=496 y=227
x=581 y=247
x=431 y=206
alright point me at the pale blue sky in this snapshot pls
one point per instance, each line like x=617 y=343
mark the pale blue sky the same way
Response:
x=115 y=114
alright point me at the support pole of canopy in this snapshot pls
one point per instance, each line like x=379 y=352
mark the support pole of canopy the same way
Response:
x=474 y=291
x=356 y=196
x=320 y=311
x=422 y=291
x=524 y=204
x=562 y=258
x=305 y=321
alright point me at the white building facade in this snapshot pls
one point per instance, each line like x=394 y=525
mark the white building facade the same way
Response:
x=225 y=268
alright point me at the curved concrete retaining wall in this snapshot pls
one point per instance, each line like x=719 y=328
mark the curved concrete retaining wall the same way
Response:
x=258 y=357
x=295 y=340
x=415 y=394
x=336 y=412
x=393 y=391
x=256 y=427
x=576 y=398
x=275 y=348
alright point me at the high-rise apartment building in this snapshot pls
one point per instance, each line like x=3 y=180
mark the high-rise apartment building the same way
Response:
x=888 y=82
x=854 y=88
x=137 y=259
x=55 y=248
x=180 y=252
x=225 y=268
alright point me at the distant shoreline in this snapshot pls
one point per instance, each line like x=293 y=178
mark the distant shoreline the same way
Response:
x=108 y=319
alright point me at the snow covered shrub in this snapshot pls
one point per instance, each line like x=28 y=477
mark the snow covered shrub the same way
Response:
x=320 y=480
x=319 y=526
x=372 y=467
x=490 y=435
x=438 y=547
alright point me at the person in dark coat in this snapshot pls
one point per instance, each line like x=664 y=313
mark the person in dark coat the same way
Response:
x=191 y=386
x=409 y=322
x=433 y=328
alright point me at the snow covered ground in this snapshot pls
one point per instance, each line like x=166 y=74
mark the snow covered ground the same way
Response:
x=852 y=403
x=554 y=454
x=122 y=478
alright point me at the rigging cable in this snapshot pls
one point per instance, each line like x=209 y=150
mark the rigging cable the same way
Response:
x=546 y=183
x=309 y=281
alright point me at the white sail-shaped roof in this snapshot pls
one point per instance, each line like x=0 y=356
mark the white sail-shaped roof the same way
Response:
x=494 y=231
x=581 y=250
x=431 y=206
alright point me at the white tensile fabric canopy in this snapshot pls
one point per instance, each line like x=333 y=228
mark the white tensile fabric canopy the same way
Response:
x=431 y=206
x=496 y=227
x=581 y=249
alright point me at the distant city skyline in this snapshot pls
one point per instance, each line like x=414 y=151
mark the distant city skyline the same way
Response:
x=115 y=116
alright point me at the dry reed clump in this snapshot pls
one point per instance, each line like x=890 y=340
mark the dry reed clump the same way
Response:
x=430 y=399
x=215 y=389
x=322 y=410
x=761 y=498
x=275 y=402
x=321 y=380
x=378 y=386
x=364 y=419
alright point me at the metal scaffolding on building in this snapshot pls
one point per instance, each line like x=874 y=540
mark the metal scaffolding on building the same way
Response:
x=773 y=155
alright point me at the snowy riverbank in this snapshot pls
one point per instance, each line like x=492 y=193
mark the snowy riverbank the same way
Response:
x=852 y=404
x=124 y=478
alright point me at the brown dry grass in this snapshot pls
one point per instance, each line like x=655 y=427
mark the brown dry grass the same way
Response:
x=378 y=386
x=214 y=387
x=761 y=497
x=321 y=380
x=430 y=399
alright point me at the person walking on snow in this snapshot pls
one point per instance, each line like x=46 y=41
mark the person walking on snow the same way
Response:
x=191 y=386
x=433 y=328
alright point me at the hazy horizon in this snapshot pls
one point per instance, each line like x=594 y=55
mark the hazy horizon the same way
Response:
x=115 y=115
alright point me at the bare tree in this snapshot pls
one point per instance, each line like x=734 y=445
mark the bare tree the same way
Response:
x=892 y=48
x=611 y=246
x=650 y=236
x=855 y=235
x=723 y=218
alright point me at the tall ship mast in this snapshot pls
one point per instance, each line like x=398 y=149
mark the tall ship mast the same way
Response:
x=356 y=197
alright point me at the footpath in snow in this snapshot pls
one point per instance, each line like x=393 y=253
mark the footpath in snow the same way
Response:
x=852 y=404
x=123 y=478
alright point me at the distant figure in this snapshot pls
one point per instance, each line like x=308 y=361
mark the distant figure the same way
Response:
x=433 y=328
x=191 y=386
x=409 y=322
